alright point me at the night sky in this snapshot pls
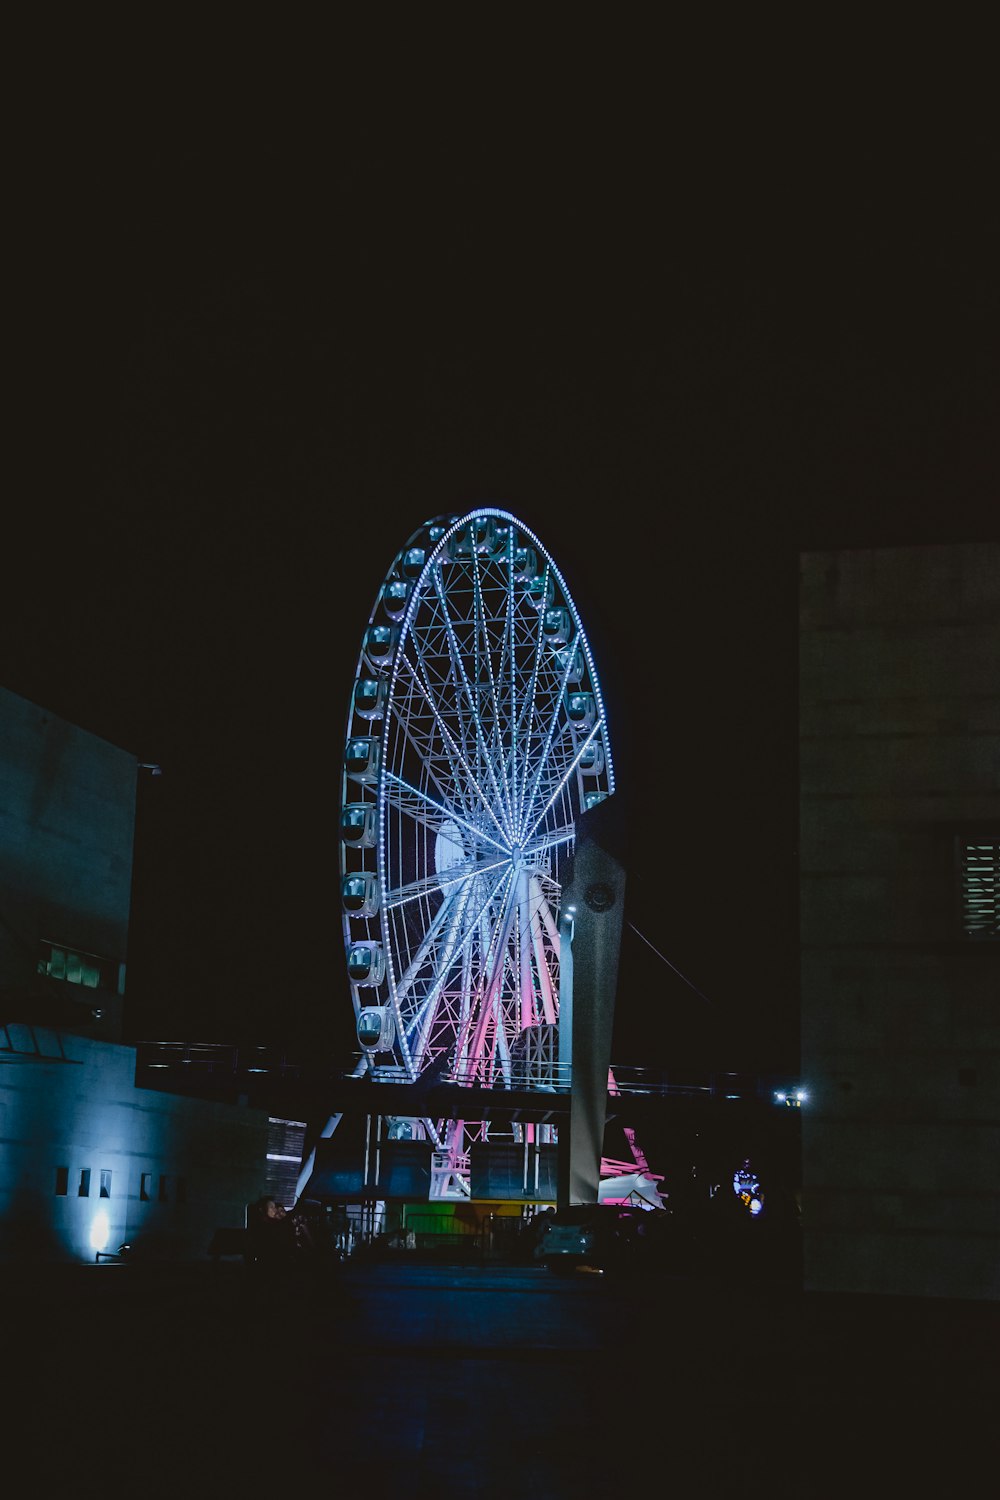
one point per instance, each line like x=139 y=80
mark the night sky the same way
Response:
x=241 y=383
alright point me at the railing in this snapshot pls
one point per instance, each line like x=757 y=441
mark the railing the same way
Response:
x=624 y=1079
x=226 y=1063
x=556 y=1078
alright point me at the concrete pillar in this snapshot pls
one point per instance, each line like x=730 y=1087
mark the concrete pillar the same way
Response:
x=591 y=918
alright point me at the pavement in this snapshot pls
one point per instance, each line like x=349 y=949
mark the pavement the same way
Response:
x=486 y=1383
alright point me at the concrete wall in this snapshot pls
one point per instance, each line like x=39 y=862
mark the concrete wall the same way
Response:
x=67 y=827
x=899 y=746
x=67 y=1101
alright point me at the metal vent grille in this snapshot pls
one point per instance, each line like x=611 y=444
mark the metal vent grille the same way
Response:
x=979 y=887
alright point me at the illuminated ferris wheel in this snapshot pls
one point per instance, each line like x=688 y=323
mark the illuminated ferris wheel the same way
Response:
x=476 y=736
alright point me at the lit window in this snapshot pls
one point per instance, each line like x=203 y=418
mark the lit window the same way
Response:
x=979 y=886
x=83 y=1191
x=89 y=970
x=62 y=1181
x=105 y=1183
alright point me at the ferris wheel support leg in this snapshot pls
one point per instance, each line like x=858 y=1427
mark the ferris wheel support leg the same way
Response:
x=593 y=899
x=306 y=1169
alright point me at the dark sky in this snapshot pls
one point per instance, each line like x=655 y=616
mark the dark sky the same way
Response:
x=240 y=384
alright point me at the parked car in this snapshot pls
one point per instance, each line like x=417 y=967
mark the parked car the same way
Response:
x=593 y=1237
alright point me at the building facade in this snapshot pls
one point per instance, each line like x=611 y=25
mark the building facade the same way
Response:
x=88 y=1160
x=900 y=935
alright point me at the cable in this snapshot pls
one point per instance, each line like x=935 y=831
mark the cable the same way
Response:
x=669 y=964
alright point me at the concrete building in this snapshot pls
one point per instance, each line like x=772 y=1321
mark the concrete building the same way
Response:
x=87 y=1159
x=900 y=921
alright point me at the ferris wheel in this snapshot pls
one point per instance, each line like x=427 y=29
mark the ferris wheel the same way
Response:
x=476 y=736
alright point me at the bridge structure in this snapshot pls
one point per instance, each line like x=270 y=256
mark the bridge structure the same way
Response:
x=266 y=1078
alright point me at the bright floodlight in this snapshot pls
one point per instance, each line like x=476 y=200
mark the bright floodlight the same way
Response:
x=99 y=1231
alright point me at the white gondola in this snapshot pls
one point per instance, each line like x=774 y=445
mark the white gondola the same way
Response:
x=479 y=537
x=436 y=530
x=541 y=590
x=366 y=964
x=369 y=697
x=380 y=642
x=592 y=758
x=484 y=534
x=411 y=562
x=362 y=758
x=571 y=662
x=501 y=541
x=525 y=564
x=359 y=893
x=557 y=627
x=359 y=825
x=581 y=710
x=592 y=799
x=376 y=1028
x=395 y=597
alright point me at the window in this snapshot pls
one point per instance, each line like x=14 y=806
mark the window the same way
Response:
x=180 y=1190
x=62 y=1181
x=105 y=1183
x=285 y=1145
x=163 y=1188
x=978 y=860
x=145 y=1186
x=83 y=1191
x=90 y=970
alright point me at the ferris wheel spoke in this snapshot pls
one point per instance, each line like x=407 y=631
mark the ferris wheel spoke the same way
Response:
x=445 y=881
x=562 y=781
x=456 y=758
x=462 y=1020
x=493 y=970
x=527 y=1014
x=460 y=938
x=550 y=838
x=503 y=646
x=542 y=927
x=425 y=948
x=462 y=677
x=418 y=1023
x=554 y=726
x=529 y=717
x=542 y=907
x=538 y=939
x=429 y=682
x=446 y=814
x=440 y=759
x=408 y=803
x=437 y=769
x=471 y=905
